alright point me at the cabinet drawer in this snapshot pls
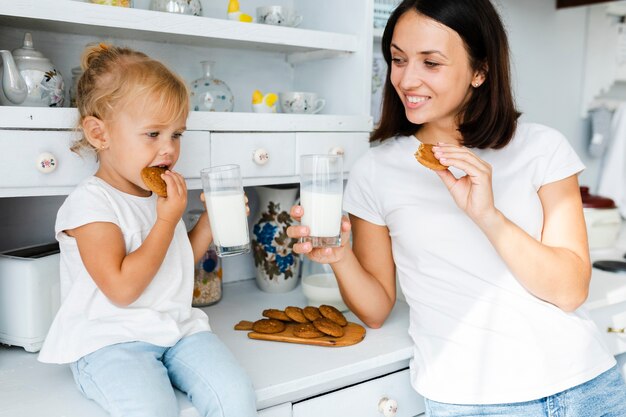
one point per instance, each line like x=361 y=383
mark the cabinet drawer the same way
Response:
x=195 y=153
x=613 y=316
x=19 y=169
x=352 y=144
x=240 y=148
x=362 y=400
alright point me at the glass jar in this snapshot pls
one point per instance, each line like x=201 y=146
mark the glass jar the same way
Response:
x=207 y=285
x=76 y=73
x=209 y=93
x=192 y=7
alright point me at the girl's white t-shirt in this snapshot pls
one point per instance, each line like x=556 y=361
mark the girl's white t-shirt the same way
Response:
x=480 y=337
x=87 y=320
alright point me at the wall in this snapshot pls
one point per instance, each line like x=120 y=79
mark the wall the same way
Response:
x=548 y=66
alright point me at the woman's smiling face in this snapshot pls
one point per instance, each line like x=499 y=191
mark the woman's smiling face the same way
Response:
x=430 y=70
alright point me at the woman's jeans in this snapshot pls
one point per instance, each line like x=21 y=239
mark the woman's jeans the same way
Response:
x=603 y=396
x=135 y=379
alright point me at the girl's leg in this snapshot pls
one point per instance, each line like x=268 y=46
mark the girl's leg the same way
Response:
x=203 y=367
x=127 y=380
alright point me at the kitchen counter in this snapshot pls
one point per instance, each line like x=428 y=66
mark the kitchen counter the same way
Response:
x=280 y=372
x=608 y=288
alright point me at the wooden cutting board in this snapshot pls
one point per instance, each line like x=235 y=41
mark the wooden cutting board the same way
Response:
x=353 y=334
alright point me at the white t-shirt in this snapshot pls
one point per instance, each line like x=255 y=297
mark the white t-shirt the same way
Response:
x=87 y=320
x=480 y=337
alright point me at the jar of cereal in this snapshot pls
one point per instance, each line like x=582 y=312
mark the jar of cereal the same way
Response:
x=207 y=286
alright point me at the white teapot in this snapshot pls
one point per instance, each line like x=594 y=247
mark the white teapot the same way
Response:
x=44 y=84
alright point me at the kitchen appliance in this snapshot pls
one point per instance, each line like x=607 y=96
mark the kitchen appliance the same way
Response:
x=29 y=294
x=602 y=219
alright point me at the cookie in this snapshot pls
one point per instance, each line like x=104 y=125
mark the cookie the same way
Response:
x=328 y=327
x=296 y=314
x=311 y=313
x=268 y=326
x=306 y=331
x=151 y=176
x=272 y=313
x=333 y=314
x=425 y=156
x=244 y=325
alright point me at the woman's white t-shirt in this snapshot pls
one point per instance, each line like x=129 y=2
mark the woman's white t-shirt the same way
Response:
x=480 y=337
x=87 y=320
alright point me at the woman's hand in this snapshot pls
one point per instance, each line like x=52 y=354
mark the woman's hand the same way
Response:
x=172 y=207
x=473 y=192
x=320 y=255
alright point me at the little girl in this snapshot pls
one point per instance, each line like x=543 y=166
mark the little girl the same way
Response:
x=126 y=325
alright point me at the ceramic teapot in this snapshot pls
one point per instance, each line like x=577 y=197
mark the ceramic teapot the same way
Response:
x=44 y=84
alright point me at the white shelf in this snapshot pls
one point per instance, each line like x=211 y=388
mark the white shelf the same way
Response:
x=15 y=117
x=377 y=33
x=68 y=16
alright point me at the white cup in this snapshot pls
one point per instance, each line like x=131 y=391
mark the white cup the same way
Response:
x=278 y=15
x=301 y=102
x=226 y=207
x=321 y=195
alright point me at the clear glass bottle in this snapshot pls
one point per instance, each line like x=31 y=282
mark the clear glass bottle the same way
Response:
x=209 y=93
x=76 y=73
x=207 y=286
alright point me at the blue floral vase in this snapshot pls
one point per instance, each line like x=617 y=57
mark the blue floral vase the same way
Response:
x=277 y=266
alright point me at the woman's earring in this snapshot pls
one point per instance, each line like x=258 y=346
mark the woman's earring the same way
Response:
x=476 y=85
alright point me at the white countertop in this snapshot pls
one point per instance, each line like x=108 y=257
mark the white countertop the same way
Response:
x=280 y=372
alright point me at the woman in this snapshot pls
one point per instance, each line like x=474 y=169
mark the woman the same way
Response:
x=490 y=253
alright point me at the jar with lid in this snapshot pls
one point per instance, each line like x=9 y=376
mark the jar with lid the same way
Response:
x=207 y=286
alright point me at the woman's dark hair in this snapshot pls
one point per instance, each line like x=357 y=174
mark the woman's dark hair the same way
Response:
x=489 y=118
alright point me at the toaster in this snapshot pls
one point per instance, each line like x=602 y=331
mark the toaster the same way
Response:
x=30 y=294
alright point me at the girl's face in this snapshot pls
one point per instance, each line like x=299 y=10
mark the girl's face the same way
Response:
x=138 y=138
x=430 y=70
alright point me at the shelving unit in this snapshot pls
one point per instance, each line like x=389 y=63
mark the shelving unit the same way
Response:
x=330 y=55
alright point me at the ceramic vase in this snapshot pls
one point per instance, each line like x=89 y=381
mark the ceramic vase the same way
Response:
x=277 y=266
x=210 y=94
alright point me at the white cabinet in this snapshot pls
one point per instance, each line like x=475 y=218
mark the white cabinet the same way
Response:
x=329 y=53
x=611 y=320
x=362 y=400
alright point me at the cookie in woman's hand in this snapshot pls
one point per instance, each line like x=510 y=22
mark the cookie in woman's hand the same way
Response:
x=151 y=176
x=425 y=156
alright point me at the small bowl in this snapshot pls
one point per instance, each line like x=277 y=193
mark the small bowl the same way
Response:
x=323 y=289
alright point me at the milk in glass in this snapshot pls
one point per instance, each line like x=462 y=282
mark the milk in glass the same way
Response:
x=322 y=213
x=227 y=215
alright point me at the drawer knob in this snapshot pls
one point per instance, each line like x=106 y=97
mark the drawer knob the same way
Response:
x=261 y=156
x=46 y=162
x=337 y=150
x=615 y=330
x=387 y=407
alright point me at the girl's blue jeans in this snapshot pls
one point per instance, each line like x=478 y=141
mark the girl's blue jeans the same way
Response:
x=603 y=396
x=136 y=379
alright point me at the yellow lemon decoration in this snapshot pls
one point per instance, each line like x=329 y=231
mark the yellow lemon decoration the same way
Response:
x=257 y=97
x=264 y=103
x=235 y=14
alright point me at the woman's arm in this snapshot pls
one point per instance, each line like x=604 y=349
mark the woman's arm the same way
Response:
x=365 y=273
x=556 y=269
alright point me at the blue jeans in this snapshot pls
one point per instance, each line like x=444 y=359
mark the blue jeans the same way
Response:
x=603 y=396
x=135 y=379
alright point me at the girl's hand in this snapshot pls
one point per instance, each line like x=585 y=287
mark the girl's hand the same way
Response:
x=473 y=192
x=172 y=207
x=320 y=255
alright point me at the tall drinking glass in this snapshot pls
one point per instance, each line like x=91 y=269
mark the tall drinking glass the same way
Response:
x=226 y=207
x=321 y=192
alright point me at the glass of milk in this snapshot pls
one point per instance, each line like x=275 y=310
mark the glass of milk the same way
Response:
x=226 y=207
x=321 y=192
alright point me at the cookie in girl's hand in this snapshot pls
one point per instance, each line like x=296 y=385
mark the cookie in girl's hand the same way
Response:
x=151 y=176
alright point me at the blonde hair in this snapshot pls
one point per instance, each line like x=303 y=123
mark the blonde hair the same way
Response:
x=114 y=77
